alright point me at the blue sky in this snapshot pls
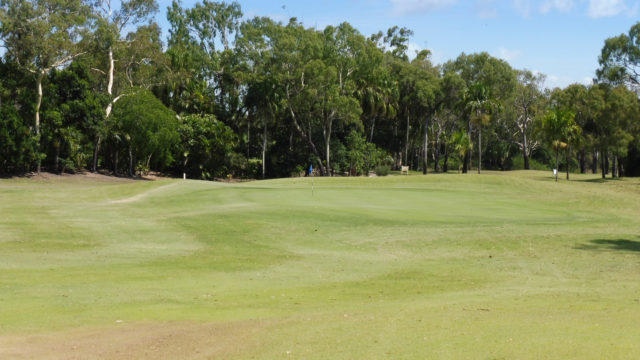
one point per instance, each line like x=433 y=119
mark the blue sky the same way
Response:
x=560 y=38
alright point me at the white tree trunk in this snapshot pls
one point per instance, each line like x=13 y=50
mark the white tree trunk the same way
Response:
x=37 y=124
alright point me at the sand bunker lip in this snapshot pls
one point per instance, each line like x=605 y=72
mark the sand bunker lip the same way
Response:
x=144 y=194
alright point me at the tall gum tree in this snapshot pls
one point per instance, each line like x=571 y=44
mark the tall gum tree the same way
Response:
x=295 y=50
x=200 y=46
x=449 y=94
x=481 y=68
x=620 y=59
x=344 y=54
x=41 y=36
x=527 y=99
x=613 y=137
x=263 y=100
x=110 y=24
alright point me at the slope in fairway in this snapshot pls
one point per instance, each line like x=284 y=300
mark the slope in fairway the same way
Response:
x=502 y=265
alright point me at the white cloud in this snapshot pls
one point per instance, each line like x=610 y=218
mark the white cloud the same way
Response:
x=555 y=81
x=403 y=7
x=606 y=8
x=507 y=54
x=558 y=5
x=437 y=57
x=523 y=7
x=587 y=81
x=486 y=9
x=413 y=50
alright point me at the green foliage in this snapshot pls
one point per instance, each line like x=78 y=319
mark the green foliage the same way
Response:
x=73 y=114
x=17 y=145
x=620 y=59
x=358 y=157
x=382 y=170
x=208 y=149
x=249 y=89
x=518 y=164
x=151 y=130
x=460 y=143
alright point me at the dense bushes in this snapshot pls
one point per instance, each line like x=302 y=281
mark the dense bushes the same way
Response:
x=17 y=146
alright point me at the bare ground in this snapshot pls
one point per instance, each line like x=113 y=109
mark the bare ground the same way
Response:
x=86 y=175
x=136 y=341
x=143 y=194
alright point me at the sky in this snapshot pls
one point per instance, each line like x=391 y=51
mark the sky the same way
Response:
x=559 y=38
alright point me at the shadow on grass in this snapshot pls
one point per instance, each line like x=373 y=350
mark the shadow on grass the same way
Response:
x=617 y=244
x=598 y=180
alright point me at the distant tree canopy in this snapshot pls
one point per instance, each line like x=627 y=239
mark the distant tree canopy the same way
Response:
x=91 y=85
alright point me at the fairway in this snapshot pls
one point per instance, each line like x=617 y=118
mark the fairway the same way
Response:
x=494 y=266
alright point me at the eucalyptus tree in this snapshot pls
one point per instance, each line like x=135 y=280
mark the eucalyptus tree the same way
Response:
x=408 y=81
x=481 y=69
x=613 y=137
x=124 y=62
x=41 y=36
x=588 y=103
x=427 y=88
x=188 y=90
x=255 y=45
x=345 y=57
x=314 y=71
x=528 y=102
x=377 y=87
x=111 y=22
x=294 y=50
x=449 y=100
x=620 y=59
x=378 y=94
x=398 y=40
x=200 y=47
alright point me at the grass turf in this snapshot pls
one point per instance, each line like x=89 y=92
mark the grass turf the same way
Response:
x=500 y=265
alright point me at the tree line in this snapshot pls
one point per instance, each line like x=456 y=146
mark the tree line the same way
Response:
x=85 y=84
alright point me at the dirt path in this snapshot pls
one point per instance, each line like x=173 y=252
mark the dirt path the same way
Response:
x=137 y=341
x=142 y=195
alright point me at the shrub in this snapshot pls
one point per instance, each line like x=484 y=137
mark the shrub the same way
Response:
x=17 y=147
x=383 y=170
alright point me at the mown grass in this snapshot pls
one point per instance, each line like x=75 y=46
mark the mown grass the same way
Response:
x=500 y=265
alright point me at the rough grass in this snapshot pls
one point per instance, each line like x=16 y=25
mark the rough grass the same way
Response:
x=492 y=266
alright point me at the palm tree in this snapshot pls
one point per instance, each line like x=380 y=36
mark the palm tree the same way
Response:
x=560 y=129
x=461 y=142
x=481 y=106
x=574 y=139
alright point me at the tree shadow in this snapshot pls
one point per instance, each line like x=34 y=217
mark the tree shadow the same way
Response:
x=609 y=244
x=598 y=180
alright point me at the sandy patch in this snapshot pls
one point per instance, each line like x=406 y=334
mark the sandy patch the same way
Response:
x=46 y=176
x=136 y=341
x=142 y=195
